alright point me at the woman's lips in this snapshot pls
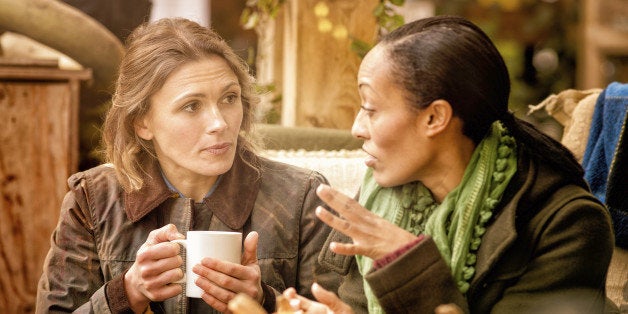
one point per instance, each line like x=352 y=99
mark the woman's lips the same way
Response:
x=369 y=161
x=217 y=149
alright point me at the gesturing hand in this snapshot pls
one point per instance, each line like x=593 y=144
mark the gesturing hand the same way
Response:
x=157 y=264
x=372 y=235
x=222 y=281
x=329 y=302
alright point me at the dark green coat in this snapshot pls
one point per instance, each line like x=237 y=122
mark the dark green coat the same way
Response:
x=546 y=250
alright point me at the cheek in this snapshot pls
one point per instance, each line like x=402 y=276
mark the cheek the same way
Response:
x=236 y=116
x=236 y=120
x=176 y=134
x=387 y=138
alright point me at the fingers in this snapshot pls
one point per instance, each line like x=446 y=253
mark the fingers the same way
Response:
x=336 y=222
x=250 y=249
x=242 y=304
x=297 y=301
x=344 y=205
x=355 y=230
x=344 y=248
x=290 y=293
x=221 y=280
x=219 y=304
x=448 y=309
x=164 y=234
x=158 y=251
x=214 y=293
x=326 y=297
x=352 y=216
x=220 y=272
x=155 y=266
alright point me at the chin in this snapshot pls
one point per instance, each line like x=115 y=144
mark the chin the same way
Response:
x=383 y=181
x=217 y=168
x=388 y=181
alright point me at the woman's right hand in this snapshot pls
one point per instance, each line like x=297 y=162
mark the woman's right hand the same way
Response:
x=329 y=302
x=157 y=265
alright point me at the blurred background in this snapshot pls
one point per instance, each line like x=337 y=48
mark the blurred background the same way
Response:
x=305 y=54
x=58 y=61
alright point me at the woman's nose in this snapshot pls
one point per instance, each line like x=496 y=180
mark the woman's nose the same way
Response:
x=215 y=120
x=358 y=130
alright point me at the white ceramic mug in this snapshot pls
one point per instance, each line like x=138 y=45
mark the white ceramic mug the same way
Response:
x=222 y=245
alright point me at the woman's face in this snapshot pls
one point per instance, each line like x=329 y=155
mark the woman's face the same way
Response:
x=194 y=120
x=392 y=135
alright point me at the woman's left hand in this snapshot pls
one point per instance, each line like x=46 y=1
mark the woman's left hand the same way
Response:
x=222 y=281
x=328 y=302
x=372 y=235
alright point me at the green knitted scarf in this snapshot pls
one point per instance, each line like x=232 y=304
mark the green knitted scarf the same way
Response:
x=456 y=225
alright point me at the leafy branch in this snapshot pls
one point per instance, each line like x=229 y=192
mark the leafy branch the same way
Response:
x=258 y=9
x=254 y=10
x=387 y=18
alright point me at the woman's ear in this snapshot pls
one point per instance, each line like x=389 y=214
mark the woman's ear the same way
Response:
x=142 y=129
x=437 y=117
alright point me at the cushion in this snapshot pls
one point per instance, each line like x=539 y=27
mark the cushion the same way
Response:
x=343 y=168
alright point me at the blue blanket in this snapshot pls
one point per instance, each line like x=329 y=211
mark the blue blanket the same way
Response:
x=605 y=156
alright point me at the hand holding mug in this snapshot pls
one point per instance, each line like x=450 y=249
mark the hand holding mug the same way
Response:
x=221 y=280
x=222 y=246
x=157 y=264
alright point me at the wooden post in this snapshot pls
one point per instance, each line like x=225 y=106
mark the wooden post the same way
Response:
x=315 y=69
x=38 y=151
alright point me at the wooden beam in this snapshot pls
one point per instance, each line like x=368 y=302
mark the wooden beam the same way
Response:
x=316 y=72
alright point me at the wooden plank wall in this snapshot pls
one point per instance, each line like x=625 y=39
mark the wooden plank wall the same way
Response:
x=38 y=151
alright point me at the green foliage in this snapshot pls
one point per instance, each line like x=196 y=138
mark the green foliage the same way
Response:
x=360 y=47
x=255 y=9
x=387 y=18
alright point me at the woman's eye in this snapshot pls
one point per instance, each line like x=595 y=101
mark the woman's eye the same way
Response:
x=191 y=107
x=232 y=98
x=367 y=109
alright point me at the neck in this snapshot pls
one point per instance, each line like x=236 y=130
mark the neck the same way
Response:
x=192 y=187
x=449 y=168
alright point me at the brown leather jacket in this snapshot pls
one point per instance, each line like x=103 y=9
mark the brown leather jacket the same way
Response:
x=546 y=251
x=101 y=228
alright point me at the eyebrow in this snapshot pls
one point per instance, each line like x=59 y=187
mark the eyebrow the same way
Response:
x=201 y=95
x=228 y=86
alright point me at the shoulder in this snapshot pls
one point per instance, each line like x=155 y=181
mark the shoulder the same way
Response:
x=285 y=174
x=95 y=183
x=548 y=200
x=104 y=172
x=537 y=184
x=287 y=186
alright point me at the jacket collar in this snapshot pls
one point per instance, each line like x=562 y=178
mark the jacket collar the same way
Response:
x=232 y=202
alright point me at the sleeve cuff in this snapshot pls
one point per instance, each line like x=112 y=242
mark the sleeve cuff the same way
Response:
x=379 y=263
x=116 y=296
x=270 y=298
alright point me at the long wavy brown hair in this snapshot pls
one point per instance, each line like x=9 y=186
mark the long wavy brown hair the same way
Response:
x=154 y=51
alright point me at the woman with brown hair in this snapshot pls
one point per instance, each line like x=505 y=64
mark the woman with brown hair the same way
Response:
x=178 y=139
